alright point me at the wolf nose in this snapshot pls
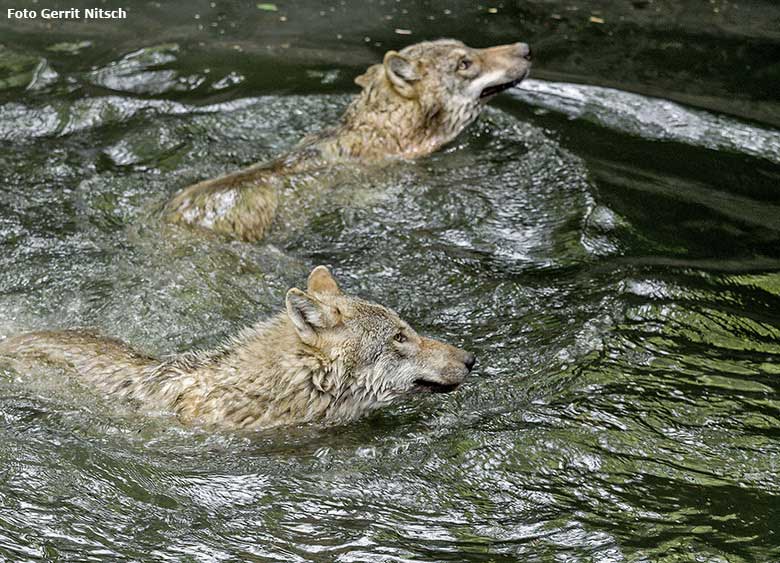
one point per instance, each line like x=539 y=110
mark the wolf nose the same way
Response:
x=524 y=50
x=470 y=360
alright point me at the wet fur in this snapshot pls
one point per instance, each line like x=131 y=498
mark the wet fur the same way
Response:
x=412 y=104
x=328 y=357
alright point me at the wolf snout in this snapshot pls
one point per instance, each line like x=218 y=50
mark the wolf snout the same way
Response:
x=469 y=361
x=524 y=50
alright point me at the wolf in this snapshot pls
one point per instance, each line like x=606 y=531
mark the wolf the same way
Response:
x=328 y=357
x=413 y=103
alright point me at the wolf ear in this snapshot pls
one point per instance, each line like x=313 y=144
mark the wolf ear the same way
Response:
x=321 y=281
x=401 y=72
x=368 y=77
x=308 y=315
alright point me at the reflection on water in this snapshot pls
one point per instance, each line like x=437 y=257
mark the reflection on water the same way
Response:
x=612 y=259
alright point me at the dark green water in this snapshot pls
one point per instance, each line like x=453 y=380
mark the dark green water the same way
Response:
x=605 y=239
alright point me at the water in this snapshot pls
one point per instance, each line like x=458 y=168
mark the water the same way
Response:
x=604 y=239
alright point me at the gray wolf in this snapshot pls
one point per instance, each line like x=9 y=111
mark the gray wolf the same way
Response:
x=412 y=104
x=328 y=357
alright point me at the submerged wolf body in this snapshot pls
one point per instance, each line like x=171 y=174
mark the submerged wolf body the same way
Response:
x=412 y=104
x=328 y=357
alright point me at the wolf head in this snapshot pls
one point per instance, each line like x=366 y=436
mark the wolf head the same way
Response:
x=372 y=354
x=450 y=81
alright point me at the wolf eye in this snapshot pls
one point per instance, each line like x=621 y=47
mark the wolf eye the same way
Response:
x=464 y=64
x=400 y=337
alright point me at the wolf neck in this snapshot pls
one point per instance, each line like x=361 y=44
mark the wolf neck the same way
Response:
x=266 y=376
x=380 y=123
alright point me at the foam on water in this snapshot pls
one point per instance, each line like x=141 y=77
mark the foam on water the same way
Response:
x=625 y=405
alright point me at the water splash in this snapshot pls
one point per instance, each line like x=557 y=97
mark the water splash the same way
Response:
x=651 y=118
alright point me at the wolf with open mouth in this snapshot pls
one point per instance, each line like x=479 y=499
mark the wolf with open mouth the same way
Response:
x=328 y=357
x=413 y=103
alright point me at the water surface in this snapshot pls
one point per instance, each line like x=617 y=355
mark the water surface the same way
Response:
x=605 y=239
